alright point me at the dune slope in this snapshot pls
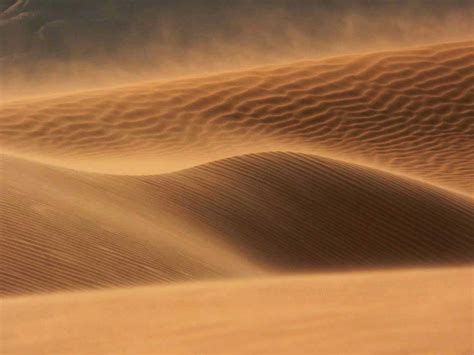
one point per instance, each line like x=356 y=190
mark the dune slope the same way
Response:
x=296 y=211
x=64 y=229
x=384 y=312
x=410 y=111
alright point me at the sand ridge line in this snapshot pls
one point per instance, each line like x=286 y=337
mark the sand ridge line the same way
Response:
x=238 y=217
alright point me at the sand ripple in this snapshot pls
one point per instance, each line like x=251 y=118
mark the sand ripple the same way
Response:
x=409 y=111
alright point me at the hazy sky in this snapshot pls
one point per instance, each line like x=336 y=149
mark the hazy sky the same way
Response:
x=55 y=42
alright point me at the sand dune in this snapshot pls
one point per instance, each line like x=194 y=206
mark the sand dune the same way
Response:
x=296 y=211
x=62 y=229
x=315 y=207
x=247 y=215
x=409 y=111
x=384 y=312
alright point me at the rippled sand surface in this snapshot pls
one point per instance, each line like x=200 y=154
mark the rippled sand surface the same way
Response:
x=315 y=207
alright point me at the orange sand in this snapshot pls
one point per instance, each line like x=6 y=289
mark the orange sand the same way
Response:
x=353 y=176
x=385 y=312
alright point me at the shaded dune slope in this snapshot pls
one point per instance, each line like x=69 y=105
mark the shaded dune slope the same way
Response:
x=63 y=229
x=299 y=211
x=409 y=111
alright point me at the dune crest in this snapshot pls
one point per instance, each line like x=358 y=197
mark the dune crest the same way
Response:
x=242 y=216
x=62 y=229
x=408 y=111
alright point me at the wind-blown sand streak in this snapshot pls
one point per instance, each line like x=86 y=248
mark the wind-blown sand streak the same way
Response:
x=247 y=215
x=408 y=111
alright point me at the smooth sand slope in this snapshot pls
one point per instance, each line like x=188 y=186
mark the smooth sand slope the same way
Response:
x=62 y=229
x=410 y=111
x=268 y=212
x=385 y=312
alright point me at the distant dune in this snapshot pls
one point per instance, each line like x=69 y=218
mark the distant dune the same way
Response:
x=247 y=215
x=409 y=111
x=385 y=312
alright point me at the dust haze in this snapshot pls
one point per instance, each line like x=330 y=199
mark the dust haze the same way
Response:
x=57 y=46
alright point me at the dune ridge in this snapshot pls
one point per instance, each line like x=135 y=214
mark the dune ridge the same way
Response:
x=410 y=111
x=242 y=216
x=296 y=211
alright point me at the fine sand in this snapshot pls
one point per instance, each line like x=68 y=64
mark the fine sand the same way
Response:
x=247 y=215
x=387 y=312
x=318 y=207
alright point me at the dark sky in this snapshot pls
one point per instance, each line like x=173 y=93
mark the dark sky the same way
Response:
x=42 y=41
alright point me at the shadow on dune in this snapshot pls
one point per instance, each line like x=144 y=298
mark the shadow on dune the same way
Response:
x=297 y=211
x=64 y=229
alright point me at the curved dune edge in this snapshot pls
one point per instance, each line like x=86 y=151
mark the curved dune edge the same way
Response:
x=297 y=211
x=420 y=311
x=242 y=216
x=67 y=230
x=408 y=111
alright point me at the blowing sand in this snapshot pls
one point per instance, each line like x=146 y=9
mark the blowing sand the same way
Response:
x=316 y=207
